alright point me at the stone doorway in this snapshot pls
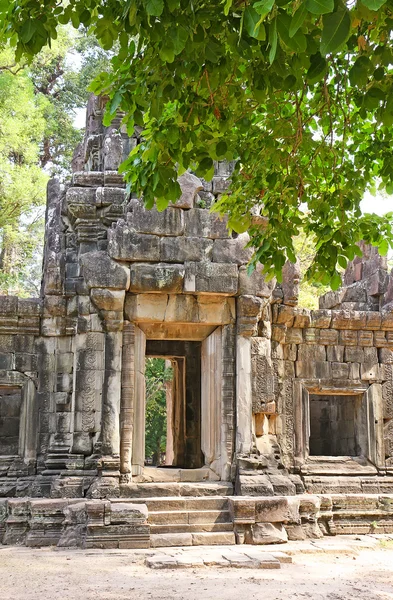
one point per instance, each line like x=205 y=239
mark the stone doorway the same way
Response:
x=336 y=425
x=202 y=412
x=183 y=401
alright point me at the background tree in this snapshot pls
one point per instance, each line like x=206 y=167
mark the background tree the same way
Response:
x=157 y=375
x=298 y=93
x=37 y=139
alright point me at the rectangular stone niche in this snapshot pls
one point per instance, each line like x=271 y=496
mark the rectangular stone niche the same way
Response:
x=335 y=425
x=10 y=411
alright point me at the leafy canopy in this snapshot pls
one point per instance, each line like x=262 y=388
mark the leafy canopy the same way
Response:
x=298 y=93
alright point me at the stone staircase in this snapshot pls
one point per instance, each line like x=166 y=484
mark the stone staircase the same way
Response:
x=186 y=514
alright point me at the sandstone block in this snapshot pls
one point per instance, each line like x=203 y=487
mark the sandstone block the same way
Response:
x=302 y=318
x=105 y=196
x=329 y=337
x=100 y=271
x=126 y=244
x=320 y=319
x=254 y=284
x=310 y=353
x=294 y=336
x=353 y=354
x=108 y=299
x=200 y=222
x=340 y=370
x=267 y=533
x=213 y=278
x=183 y=249
x=348 y=338
x=312 y=335
x=335 y=353
x=156 y=278
x=232 y=250
x=168 y=222
x=285 y=315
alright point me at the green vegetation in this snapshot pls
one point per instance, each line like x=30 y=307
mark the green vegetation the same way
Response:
x=298 y=92
x=157 y=375
x=37 y=139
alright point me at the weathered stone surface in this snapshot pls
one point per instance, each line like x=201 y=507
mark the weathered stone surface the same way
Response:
x=213 y=278
x=183 y=249
x=168 y=222
x=290 y=283
x=190 y=185
x=100 y=271
x=267 y=533
x=200 y=222
x=125 y=244
x=254 y=284
x=159 y=277
x=232 y=250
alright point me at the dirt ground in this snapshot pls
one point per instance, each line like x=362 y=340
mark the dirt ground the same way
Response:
x=50 y=574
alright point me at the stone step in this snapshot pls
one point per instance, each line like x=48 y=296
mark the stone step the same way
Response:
x=193 y=517
x=187 y=528
x=214 y=538
x=175 y=489
x=183 y=504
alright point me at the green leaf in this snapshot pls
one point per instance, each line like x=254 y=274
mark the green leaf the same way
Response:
x=335 y=31
x=273 y=40
x=374 y=4
x=239 y=224
x=154 y=8
x=27 y=31
x=383 y=247
x=317 y=68
x=167 y=53
x=263 y=7
x=117 y=98
x=358 y=75
x=336 y=281
x=221 y=148
x=320 y=7
x=179 y=39
x=206 y=164
x=252 y=24
x=227 y=7
x=298 y=19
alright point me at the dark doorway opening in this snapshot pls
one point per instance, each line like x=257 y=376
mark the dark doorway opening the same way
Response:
x=335 y=424
x=178 y=412
x=10 y=410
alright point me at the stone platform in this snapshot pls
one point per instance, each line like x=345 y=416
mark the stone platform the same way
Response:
x=191 y=520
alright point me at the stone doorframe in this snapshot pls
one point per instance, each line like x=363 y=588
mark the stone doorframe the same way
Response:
x=372 y=410
x=28 y=426
x=217 y=400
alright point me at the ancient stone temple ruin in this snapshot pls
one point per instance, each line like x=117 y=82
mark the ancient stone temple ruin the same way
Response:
x=279 y=419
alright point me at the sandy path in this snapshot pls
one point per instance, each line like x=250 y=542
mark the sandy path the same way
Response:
x=49 y=574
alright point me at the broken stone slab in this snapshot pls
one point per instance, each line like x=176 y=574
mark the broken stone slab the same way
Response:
x=100 y=271
x=127 y=513
x=190 y=185
x=266 y=533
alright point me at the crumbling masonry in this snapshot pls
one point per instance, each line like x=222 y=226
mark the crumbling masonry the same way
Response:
x=281 y=418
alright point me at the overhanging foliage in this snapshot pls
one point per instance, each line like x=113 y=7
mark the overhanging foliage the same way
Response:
x=298 y=93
